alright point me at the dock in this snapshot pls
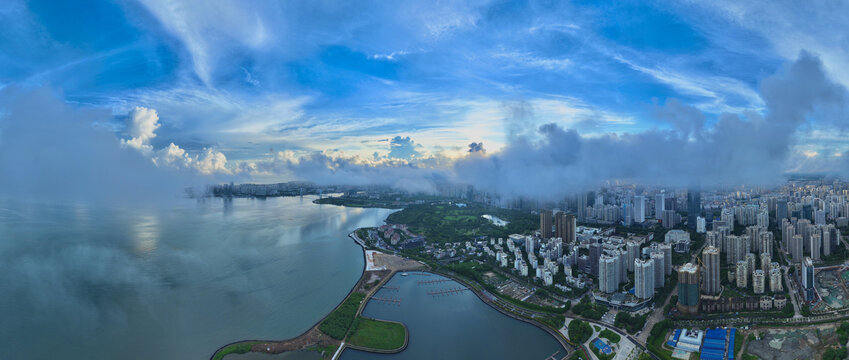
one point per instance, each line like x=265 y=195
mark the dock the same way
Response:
x=452 y=291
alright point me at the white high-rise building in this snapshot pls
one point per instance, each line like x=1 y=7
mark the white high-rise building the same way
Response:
x=710 y=259
x=775 y=284
x=701 y=225
x=758 y=281
x=742 y=274
x=643 y=278
x=658 y=259
x=608 y=274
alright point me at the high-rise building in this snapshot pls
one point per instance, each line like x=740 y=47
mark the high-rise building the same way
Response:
x=780 y=210
x=608 y=274
x=639 y=209
x=742 y=274
x=775 y=280
x=808 y=279
x=751 y=262
x=795 y=245
x=659 y=205
x=819 y=217
x=595 y=255
x=643 y=278
x=530 y=244
x=694 y=206
x=545 y=224
x=582 y=206
x=670 y=219
x=633 y=250
x=758 y=281
x=754 y=233
x=710 y=260
x=657 y=258
x=767 y=239
x=816 y=246
x=688 y=289
x=701 y=225
x=765 y=260
x=565 y=226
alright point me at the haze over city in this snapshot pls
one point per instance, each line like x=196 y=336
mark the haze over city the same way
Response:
x=413 y=93
x=469 y=179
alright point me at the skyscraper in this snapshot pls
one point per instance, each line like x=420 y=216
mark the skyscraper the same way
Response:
x=808 y=279
x=582 y=206
x=694 y=206
x=659 y=205
x=639 y=209
x=545 y=224
x=688 y=289
x=643 y=278
x=710 y=259
x=595 y=255
x=780 y=210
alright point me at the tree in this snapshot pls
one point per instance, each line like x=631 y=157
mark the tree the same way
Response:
x=579 y=331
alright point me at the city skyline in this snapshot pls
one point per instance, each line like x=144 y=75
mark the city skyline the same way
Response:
x=469 y=92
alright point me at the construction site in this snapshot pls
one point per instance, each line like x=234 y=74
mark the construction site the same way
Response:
x=790 y=344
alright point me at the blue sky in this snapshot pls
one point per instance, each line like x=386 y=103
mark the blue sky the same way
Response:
x=256 y=81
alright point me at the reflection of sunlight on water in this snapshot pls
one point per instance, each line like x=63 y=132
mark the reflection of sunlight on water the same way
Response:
x=145 y=234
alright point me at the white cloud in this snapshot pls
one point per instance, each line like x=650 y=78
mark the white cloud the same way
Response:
x=141 y=127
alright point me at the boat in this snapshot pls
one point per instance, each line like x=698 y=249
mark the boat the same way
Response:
x=403 y=274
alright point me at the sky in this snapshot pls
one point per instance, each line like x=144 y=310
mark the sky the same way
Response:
x=510 y=96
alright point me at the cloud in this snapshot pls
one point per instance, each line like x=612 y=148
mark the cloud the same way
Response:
x=403 y=148
x=141 y=127
x=50 y=150
x=476 y=147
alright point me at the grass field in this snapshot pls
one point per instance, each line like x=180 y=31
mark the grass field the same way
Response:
x=336 y=324
x=239 y=348
x=376 y=334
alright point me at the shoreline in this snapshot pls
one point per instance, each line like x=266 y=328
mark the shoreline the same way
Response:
x=342 y=345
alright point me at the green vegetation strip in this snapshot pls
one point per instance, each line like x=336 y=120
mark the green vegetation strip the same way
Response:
x=377 y=334
x=336 y=324
x=442 y=223
x=610 y=335
x=238 y=348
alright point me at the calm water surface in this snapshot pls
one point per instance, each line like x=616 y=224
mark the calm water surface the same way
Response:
x=453 y=327
x=173 y=282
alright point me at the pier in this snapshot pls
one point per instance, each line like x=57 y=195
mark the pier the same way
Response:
x=452 y=291
x=387 y=301
x=391 y=288
x=425 y=282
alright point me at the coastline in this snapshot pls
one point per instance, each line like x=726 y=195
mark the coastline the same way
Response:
x=342 y=345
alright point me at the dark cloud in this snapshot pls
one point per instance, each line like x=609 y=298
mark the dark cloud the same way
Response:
x=476 y=147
